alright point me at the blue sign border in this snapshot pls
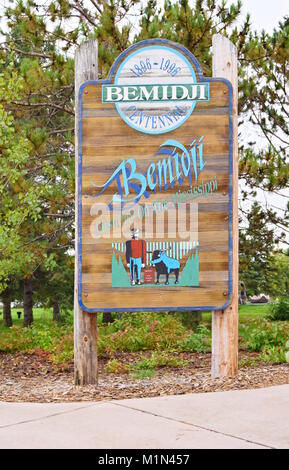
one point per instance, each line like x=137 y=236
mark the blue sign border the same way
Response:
x=187 y=53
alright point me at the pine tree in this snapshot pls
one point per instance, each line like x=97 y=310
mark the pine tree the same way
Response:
x=32 y=197
x=257 y=243
x=264 y=103
x=40 y=40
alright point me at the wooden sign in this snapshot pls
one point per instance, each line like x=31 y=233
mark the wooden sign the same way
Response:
x=155 y=185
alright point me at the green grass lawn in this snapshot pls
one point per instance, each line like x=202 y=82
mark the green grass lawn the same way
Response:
x=163 y=334
x=38 y=313
x=246 y=311
x=257 y=310
x=44 y=314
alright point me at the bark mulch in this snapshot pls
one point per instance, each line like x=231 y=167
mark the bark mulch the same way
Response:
x=28 y=378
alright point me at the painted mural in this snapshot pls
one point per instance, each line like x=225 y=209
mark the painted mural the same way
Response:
x=151 y=264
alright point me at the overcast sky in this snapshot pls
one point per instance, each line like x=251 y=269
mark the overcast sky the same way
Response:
x=265 y=14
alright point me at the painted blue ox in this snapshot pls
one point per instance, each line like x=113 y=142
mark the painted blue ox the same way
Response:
x=165 y=265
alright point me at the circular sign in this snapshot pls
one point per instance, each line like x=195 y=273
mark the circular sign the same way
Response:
x=156 y=87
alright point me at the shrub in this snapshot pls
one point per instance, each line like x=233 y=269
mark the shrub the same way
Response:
x=43 y=335
x=115 y=367
x=200 y=341
x=280 y=311
x=271 y=339
x=275 y=354
x=144 y=374
x=258 y=334
x=159 y=359
x=140 y=332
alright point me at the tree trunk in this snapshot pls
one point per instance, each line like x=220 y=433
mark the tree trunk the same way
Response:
x=107 y=317
x=7 y=317
x=56 y=310
x=28 y=302
x=190 y=319
x=196 y=319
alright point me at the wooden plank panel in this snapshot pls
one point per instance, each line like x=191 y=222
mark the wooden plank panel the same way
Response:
x=200 y=240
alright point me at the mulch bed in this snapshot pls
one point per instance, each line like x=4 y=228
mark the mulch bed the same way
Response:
x=28 y=378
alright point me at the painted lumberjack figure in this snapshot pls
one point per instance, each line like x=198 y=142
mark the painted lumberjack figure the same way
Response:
x=135 y=256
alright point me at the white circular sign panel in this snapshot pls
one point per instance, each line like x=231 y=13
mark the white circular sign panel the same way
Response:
x=156 y=65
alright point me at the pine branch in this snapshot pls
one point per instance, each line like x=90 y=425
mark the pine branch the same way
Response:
x=37 y=105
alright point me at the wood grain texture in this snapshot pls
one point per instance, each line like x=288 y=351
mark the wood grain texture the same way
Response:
x=106 y=141
x=85 y=324
x=225 y=323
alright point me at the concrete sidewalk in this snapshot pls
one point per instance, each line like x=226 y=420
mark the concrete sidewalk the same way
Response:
x=249 y=419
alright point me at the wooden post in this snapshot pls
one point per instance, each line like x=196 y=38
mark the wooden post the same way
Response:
x=225 y=323
x=85 y=324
